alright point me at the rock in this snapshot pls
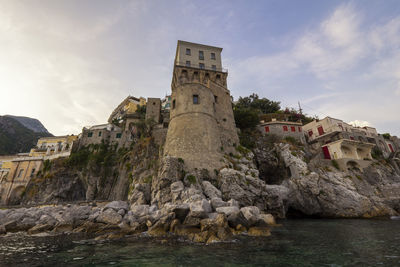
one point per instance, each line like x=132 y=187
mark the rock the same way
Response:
x=177 y=187
x=186 y=230
x=266 y=219
x=39 y=228
x=181 y=212
x=192 y=221
x=47 y=219
x=217 y=202
x=259 y=231
x=117 y=205
x=157 y=231
x=2 y=230
x=228 y=210
x=140 y=210
x=173 y=225
x=109 y=216
x=201 y=237
x=153 y=208
x=251 y=213
x=233 y=203
x=200 y=208
x=213 y=215
x=11 y=226
x=236 y=219
x=224 y=233
x=210 y=191
x=63 y=228
x=121 y=212
x=212 y=239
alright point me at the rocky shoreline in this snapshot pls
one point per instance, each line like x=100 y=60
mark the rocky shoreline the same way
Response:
x=201 y=221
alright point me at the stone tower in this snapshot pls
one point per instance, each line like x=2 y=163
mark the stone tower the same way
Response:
x=202 y=127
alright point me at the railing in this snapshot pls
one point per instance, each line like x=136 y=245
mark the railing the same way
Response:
x=204 y=67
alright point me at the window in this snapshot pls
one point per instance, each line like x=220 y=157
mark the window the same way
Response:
x=90 y=134
x=201 y=55
x=188 y=52
x=351 y=138
x=285 y=128
x=201 y=65
x=214 y=67
x=300 y=129
x=216 y=99
x=20 y=173
x=195 y=99
x=99 y=133
x=292 y=128
x=188 y=63
x=173 y=104
x=266 y=129
x=310 y=133
x=118 y=135
x=213 y=56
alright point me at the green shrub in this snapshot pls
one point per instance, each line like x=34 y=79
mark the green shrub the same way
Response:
x=180 y=160
x=191 y=179
x=335 y=164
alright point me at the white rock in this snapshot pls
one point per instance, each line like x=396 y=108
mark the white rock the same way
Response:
x=140 y=210
x=210 y=190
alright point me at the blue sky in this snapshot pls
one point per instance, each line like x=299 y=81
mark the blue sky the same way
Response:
x=69 y=63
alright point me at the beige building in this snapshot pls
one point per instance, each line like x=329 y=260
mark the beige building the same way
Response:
x=56 y=146
x=201 y=127
x=199 y=56
x=348 y=149
x=318 y=128
x=128 y=106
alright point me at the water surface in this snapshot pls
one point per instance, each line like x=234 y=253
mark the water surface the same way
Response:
x=305 y=242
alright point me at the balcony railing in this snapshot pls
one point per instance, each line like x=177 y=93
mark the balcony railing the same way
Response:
x=204 y=67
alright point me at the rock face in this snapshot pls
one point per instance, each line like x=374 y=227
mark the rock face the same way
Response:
x=324 y=191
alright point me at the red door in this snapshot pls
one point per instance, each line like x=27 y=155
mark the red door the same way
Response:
x=320 y=130
x=391 y=148
x=327 y=155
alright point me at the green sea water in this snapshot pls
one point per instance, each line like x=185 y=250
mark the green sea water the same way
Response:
x=302 y=242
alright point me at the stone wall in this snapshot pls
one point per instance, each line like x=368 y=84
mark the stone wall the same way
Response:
x=200 y=133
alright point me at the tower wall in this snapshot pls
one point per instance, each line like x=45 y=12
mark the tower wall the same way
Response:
x=200 y=133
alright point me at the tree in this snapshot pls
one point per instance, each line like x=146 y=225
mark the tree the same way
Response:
x=245 y=118
x=262 y=105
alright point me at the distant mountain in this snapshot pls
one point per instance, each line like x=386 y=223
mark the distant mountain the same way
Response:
x=32 y=124
x=16 y=137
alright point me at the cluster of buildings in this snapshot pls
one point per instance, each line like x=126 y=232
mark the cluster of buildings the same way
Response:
x=335 y=139
x=195 y=123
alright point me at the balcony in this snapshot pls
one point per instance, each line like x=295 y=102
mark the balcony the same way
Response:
x=205 y=67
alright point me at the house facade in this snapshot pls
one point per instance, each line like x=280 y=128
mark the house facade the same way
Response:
x=283 y=129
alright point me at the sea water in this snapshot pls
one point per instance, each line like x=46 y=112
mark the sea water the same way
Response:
x=300 y=242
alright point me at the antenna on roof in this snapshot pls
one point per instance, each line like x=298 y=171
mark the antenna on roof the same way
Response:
x=300 y=109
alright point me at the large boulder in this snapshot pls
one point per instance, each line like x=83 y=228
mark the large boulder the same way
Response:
x=117 y=205
x=109 y=216
x=217 y=202
x=200 y=208
x=227 y=210
x=210 y=191
x=140 y=210
x=251 y=213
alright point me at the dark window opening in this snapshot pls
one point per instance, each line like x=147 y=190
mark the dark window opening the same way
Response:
x=195 y=99
x=20 y=173
x=214 y=67
x=154 y=103
x=212 y=55
x=99 y=133
x=188 y=52
x=216 y=99
x=90 y=134
x=201 y=55
x=201 y=66
x=118 y=135
x=173 y=104
x=187 y=63
x=33 y=172
x=218 y=76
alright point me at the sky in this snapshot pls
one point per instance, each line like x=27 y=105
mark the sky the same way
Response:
x=69 y=63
